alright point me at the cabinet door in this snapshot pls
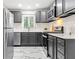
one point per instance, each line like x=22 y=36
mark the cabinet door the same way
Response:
x=38 y=38
x=51 y=48
x=17 y=16
x=70 y=49
x=17 y=38
x=60 y=48
x=28 y=38
x=69 y=4
x=43 y=16
x=24 y=38
x=31 y=37
x=59 y=7
x=38 y=16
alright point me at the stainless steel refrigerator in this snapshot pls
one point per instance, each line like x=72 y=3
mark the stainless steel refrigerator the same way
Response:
x=7 y=34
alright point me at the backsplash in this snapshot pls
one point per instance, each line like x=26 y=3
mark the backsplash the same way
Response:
x=68 y=23
x=39 y=27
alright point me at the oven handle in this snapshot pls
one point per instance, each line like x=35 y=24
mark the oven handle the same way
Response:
x=44 y=36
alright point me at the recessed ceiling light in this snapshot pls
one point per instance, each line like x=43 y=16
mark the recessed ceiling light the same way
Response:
x=19 y=5
x=37 y=5
x=28 y=7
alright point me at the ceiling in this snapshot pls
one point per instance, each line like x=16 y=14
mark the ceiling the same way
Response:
x=27 y=4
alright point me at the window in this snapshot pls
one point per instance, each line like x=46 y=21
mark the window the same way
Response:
x=28 y=21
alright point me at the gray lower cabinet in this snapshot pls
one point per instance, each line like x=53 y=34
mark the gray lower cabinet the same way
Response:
x=70 y=49
x=39 y=38
x=27 y=38
x=59 y=48
x=17 y=16
x=31 y=39
x=17 y=38
x=65 y=48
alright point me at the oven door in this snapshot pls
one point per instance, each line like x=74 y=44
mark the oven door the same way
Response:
x=45 y=41
x=45 y=44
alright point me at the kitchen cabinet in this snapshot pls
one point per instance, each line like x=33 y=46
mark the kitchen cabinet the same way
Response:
x=51 y=14
x=27 y=38
x=41 y=16
x=31 y=39
x=65 y=48
x=69 y=5
x=38 y=16
x=17 y=38
x=59 y=7
x=17 y=16
x=61 y=48
x=65 y=8
x=38 y=37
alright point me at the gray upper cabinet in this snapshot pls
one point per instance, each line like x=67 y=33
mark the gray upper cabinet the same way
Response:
x=41 y=17
x=69 y=4
x=64 y=7
x=38 y=16
x=59 y=9
x=17 y=16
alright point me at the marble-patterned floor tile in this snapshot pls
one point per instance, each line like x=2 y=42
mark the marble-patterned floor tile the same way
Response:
x=29 y=53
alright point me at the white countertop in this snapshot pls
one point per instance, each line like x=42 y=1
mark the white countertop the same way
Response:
x=64 y=36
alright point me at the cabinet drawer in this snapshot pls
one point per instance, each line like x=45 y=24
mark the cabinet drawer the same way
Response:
x=59 y=56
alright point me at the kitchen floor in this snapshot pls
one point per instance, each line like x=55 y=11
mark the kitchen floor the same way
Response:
x=29 y=53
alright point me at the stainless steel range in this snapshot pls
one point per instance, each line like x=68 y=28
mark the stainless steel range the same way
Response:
x=45 y=43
